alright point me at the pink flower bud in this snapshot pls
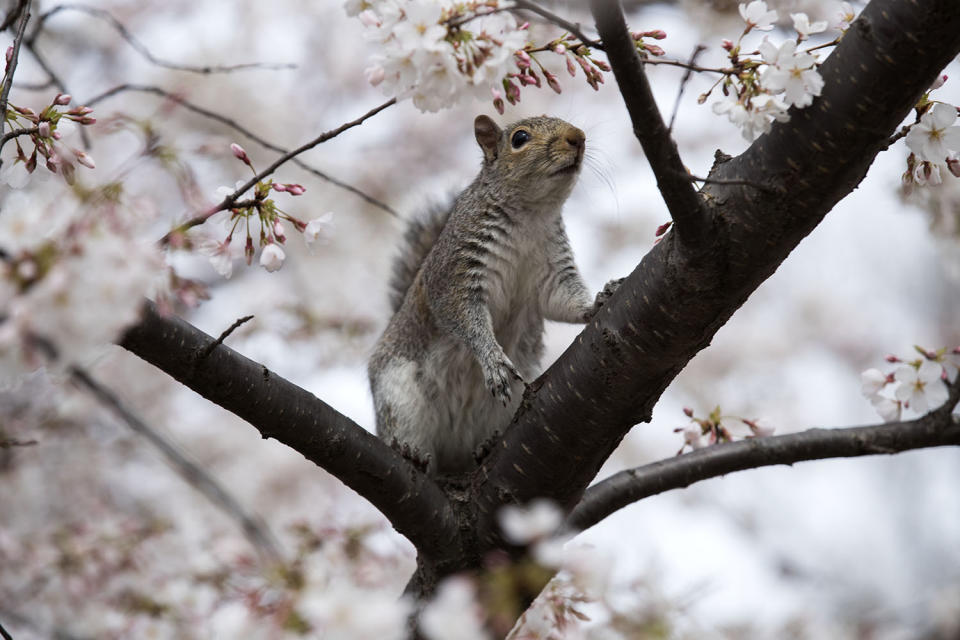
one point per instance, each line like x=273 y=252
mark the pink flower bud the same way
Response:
x=653 y=49
x=56 y=135
x=938 y=82
x=523 y=59
x=62 y=99
x=84 y=159
x=727 y=45
x=278 y=232
x=498 y=101
x=560 y=49
x=524 y=26
x=602 y=65
x=552 y=81
x=43 y=129
x=687 y=411
x=636 y=35
x=953 y=164
x=656 y=34
x=31 y=164
x=662 y=229
x=571 y=68
x=891 y=358
x=240 y=153
x=295 y=189
x=87 y=120
x=513 y=91
x=9 y=54
x=248 y=250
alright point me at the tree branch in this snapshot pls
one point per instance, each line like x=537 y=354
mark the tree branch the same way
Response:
x=937 y=428
x=212 y=115
x=252 y=525
x=230 y=200
x=670 y=307
x=413 y=503
x=686 y=209
x=563 y=23
x=140 y=48
x=11 y=69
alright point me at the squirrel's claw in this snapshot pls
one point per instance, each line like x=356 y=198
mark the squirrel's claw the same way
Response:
x=605 y=294
x=498 y=378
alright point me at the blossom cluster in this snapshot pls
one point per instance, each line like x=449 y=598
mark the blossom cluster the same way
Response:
x=437 y=52
x=717 y=427
x=268 y=217
x=934 y=142
x=760 y=86
x=45 y=130
x=919 y=384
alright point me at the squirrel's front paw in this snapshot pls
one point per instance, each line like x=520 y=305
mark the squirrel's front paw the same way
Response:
x=608 y=290
x=497 y=375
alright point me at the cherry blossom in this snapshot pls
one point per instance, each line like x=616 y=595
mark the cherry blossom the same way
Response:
x=887 y=408
x=317 y=226
x=453 y=614
x=934 y=137
x=845 y=16
x=757 y=16
x=871 y=382
x=922 y=387
x=272 y=257
x=524 y=524
x=804 y=27
x=790 y=72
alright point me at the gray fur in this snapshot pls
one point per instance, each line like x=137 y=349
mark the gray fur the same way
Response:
x=468 y=328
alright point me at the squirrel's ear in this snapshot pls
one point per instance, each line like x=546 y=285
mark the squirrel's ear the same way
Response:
x=488 y=136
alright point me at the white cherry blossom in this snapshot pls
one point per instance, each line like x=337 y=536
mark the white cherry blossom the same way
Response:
x=316 y=227
x=921 y=388
x=272 y=257
x=887 y=408
x=804 y=27
x=934 y=137
x=790 y=72
x=523 y=524
x=454 y=613
x=871 y=382
x=756 y=15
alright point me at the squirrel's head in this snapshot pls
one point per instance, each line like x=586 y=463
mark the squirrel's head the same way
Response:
x=535 y=159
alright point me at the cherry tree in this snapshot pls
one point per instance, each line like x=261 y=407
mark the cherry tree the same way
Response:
x=488 y=544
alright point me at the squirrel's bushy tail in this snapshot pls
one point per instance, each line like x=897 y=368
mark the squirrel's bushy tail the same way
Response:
x=421 y=234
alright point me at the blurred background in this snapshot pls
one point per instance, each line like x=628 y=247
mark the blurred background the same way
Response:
x=101 y=538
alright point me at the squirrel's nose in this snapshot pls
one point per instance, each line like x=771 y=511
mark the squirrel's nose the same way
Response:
x=575 y=138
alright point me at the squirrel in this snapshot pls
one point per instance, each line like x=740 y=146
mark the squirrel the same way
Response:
x=470 y=294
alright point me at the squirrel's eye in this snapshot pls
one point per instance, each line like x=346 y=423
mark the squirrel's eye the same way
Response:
x=520 y=138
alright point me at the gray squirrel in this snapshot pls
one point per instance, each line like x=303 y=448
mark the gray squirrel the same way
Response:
x=470 y=293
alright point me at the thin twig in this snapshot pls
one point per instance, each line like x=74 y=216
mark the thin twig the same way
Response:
x=687 y=65
x=140 y=48
x=563 y=23
x=13 y=14
x=10 y=135
x=936 y=428
x=683 y=84
x=244 y=131
x=9 y=444
x=230 y=200
x=54 y=79
x=253 y=527
x=223 y=336
x=3 y=632
x=12 y=67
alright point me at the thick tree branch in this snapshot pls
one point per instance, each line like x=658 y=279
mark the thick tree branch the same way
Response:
x=936 y=429
x=413 y=503
x=689 y=215
x=670 y=307
x=213 y=115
